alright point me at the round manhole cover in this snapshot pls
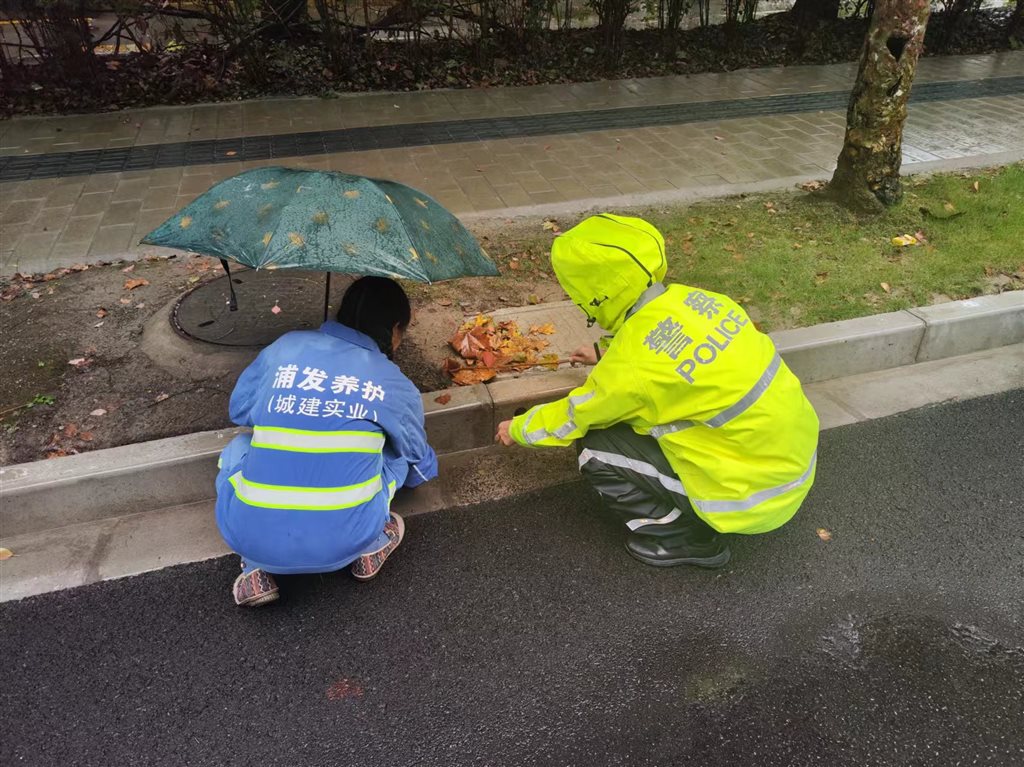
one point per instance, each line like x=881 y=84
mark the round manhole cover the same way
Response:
x=203 y=314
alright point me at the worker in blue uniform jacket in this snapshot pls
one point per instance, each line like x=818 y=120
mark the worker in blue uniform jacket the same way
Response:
x=336 y=430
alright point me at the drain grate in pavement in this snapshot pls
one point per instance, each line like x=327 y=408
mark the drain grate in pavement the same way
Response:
x=254 y=148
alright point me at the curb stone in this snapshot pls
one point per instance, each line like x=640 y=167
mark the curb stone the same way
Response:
x=180 y=470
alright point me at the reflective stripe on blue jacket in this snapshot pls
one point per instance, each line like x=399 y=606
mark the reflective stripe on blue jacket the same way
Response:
x=337 y=428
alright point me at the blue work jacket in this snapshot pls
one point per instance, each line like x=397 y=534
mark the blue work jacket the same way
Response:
x=337 y=429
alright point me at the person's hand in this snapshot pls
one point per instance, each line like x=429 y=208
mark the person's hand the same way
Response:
x=585 y=355
x=504 y=436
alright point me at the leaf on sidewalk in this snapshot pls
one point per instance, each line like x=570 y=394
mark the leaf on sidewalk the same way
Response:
x=5 y=554
x=444 y=399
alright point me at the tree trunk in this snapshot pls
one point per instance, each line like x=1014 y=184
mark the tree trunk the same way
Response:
x=1015 y=29
x=868 y=172
x=808 y=13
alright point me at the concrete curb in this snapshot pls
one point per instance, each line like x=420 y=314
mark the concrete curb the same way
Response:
x=177 y=471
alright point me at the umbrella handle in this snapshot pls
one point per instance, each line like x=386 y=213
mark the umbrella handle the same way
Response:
x=232 y=301
x=327 y=297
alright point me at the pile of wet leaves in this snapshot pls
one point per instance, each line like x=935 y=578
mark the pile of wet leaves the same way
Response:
x=486 y=347
x=204 y=71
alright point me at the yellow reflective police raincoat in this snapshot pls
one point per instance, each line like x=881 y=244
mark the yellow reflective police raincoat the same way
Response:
x=687 y=367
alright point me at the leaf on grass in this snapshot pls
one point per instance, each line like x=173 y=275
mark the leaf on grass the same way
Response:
x=904 y=241
x=98 y=412
x=949 y=207
x=513 y=264
x=820 y=277
x=161 y=397
x=444 y=399
x=5 y=554
x=101 y=312
x=886 y=287
x=138 y=282
x=824 y=534
x=812 y=186
x=976 y=186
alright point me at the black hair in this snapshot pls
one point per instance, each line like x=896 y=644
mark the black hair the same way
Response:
x=374 y=305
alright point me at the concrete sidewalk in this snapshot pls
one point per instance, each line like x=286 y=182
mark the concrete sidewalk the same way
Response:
x=710 y=133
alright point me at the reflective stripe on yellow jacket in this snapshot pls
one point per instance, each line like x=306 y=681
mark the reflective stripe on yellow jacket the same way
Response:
x=689 y=368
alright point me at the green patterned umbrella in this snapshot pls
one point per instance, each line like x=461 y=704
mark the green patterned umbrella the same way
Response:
x=281 y=218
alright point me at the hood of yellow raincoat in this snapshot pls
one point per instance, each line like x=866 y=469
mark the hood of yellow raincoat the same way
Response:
x=606 y=262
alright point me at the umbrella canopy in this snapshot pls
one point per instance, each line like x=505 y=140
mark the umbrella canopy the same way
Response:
x=278 y=218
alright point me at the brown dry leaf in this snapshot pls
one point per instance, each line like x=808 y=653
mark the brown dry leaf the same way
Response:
x=5 y=554
x=886 y=287
x=138 y=282
x=949 y=207
x=85 y=436
x=820 y=277
x=976 y=186
x=445 y=302
x=513 y=264
x=161 y=397
x=444 y=399
x=129 y=268
x=824 y=534
x=79 y=362
x=550 y=225
x=470 y=376
x=547 y=329
x=102 y=312
x=98 y=412
x=812 y=186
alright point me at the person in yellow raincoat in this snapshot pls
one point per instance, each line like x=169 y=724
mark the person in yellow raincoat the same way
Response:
x=690 y=425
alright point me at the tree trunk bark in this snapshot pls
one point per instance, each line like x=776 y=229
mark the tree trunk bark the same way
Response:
x=1015 y=29
x=868 y=173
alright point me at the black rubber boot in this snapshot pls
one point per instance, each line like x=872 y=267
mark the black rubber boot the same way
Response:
x=652 y=550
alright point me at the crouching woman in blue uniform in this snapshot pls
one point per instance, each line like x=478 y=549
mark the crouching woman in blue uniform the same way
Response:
x=336 y=430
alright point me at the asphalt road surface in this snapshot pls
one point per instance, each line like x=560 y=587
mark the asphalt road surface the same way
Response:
x=520 y=633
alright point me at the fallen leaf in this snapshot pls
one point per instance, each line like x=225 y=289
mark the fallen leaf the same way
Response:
x=470 y=376
x=140 y=306
x=98 y=412
x=546 y=329
x=976 y=186
x=101 y=313
x=85 y=436
x=138 y=282
x=919 y=235
x=886 y=287
x=129 y=268
x=445 y=302
x=5 y=554
x=824 y=534
x=949 y=207
x=444 y=399
x=230 y=153
x=812 y=186
x=125 y=301
x=78 y=362
x=98 y=325
x=34 y=294
x=513 y=264
x=820 y=277
x=532 y=299
x=161 y=397
x=904 y=240
x=550 y=225
x=275 y=309
x=719 y=138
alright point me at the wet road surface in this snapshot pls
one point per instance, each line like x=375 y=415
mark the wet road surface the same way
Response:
x=520 y=633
